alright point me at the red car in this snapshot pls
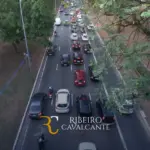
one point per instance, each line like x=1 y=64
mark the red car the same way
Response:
x=79 y=78
x=73 y=20
x=76 y=45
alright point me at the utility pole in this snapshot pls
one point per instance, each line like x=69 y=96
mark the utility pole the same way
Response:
x=25 y=37
x=55 y=5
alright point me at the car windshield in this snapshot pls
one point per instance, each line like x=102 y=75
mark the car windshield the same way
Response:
x=80 y=80
x=74 y=35
x=35 y=107
x=62 y=105
x=128 y=106
x=85 y=36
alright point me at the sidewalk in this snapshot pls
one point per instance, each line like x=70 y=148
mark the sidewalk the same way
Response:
x=142 y=112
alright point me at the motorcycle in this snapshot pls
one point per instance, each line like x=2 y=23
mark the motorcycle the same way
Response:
x=55 y=33
x=50 y=95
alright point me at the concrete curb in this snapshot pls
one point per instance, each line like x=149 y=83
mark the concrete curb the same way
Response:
x=33 y=89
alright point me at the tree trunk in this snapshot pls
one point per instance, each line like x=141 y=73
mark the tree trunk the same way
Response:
x=15 y=45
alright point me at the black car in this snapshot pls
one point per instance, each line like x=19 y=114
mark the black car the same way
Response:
x=76 y=45
x=78 y=58
x=84 y=107
x=92 y=74
x=106 y=114
x=74 y=30
x=82 y=30
x=73 y=27
x=87 y=48
x=37 y=105
x=66 y=13
x=50 y=50
x=65 y=59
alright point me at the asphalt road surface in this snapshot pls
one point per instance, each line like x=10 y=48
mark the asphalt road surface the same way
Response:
x=62 y=77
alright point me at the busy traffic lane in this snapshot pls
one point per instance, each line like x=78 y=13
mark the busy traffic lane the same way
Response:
x=70 y=139
x=65 y=79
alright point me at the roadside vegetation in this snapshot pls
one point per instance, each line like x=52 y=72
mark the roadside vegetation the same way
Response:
x=128 y=49
x=16 y=80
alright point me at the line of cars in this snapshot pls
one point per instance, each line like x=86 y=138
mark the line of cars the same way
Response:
x=63 y=100
x=63 y=97
x=78 y=49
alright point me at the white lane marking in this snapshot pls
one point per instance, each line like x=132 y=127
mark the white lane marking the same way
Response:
x=90 y=97
x=61 y=28
x=59 y=48
x=118 y=127
x=121 y=135
x=84 y=67
x=57 y=67
x=70 y=49
x=71 y=67
x=94 y=57
x=72 y=99
x=40 y=81
x=52 y=102
x=24 y=115
x=24 y=135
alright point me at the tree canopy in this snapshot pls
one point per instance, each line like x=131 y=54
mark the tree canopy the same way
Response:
x=127 y=13
x=38 y=18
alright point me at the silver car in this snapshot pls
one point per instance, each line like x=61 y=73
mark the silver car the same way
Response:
x=62 y=103
x=74 y=36
x=87 y=146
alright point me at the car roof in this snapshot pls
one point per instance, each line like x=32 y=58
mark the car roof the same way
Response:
x=62 y=98
x=84 y=34
x=87 y=146
x=74 y=33
x=85 y=106
x=65 y=55
x=80 y=74
x=35 y=103
x=38 y=96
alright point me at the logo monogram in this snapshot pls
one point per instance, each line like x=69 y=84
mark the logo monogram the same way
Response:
x=48 y=124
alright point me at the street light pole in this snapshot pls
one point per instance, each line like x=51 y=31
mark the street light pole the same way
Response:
x=25 y=37
x=55 y=5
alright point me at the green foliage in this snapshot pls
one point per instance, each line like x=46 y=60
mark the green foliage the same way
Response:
x=38 y=19
x=145 y=14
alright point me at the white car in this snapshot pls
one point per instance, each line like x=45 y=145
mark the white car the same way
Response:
x=80 y=20
x=85 y=37
x=62 y=104
x=87 y=146
x=71 y=13
x=90 y=27
x=80 y=24
x=79 y=16
x=74 y=36
x=57 y=21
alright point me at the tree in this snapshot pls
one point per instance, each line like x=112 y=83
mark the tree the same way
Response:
x=127 y=13
x=38 y=19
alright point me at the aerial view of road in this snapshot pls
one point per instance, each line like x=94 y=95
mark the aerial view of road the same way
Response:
x=126 y=134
